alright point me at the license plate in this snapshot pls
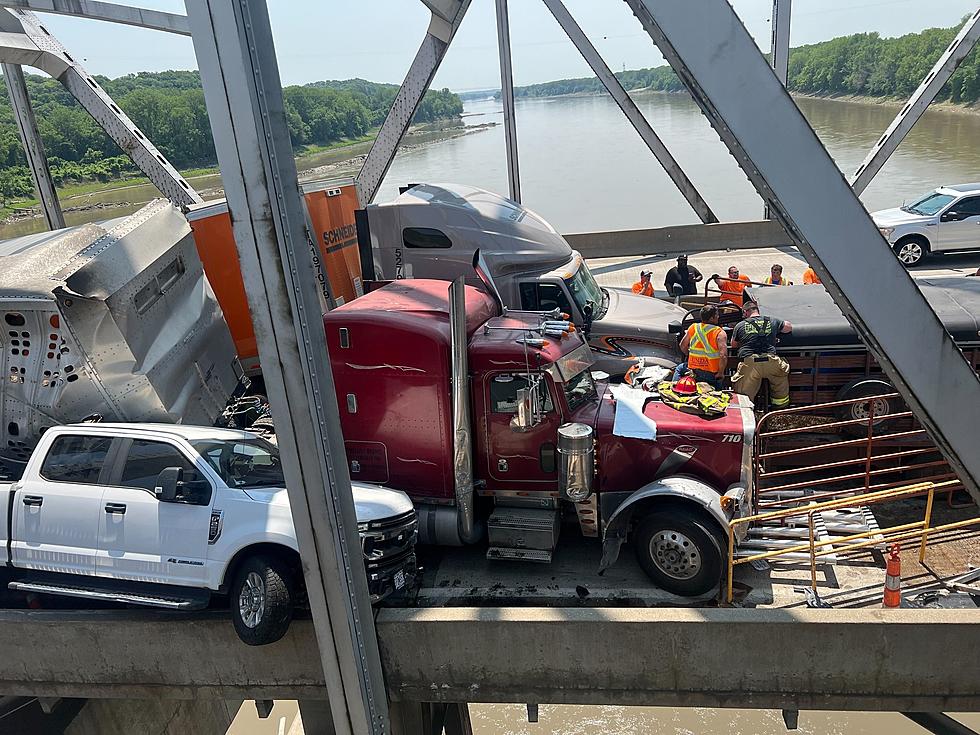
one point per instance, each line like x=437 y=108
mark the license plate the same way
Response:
x=399 y=580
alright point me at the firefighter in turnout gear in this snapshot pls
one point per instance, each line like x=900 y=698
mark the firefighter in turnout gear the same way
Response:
x=755 y=339
x=706 y=347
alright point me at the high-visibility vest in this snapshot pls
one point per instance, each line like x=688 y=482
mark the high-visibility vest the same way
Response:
x=782 y=281
x=703 y=352
x=644 y=289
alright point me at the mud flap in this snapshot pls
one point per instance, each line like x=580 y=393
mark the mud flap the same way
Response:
x=610 y=549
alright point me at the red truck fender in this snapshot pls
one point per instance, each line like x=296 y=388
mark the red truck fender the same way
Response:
x=682 y=490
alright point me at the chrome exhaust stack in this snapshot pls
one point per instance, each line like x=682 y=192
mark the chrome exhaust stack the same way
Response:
x=462 y=433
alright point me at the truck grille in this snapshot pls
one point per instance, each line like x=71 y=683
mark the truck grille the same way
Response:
x=389 y=539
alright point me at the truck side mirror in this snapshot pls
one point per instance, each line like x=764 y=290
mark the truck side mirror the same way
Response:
x=166 y=484
x=674 y=327
x=528 y=410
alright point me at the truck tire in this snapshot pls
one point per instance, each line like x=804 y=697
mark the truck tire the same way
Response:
x=678 y=553
x=865 y=388
x=911 y=250
x=262 y=600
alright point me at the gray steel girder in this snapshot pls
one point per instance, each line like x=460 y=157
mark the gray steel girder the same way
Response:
x=918 y=103
x=718 y=61
x=507 y=98
x=632 y=112
x=424 y=67
x=30 y=138
x=156 y=20
x=237 y=58
x=779 y=53
x=25 y=41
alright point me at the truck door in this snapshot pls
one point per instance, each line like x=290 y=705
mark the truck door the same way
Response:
x=142 y=538
x=963 y=231
x=57 y=508
x=519 y=460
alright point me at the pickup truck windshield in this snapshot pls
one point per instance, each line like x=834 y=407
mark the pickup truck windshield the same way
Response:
x=243 y=463
x=585 y=290
x=579 y=389
x=929 y=204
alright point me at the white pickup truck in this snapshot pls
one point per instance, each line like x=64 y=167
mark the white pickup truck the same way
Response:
x=168 y=515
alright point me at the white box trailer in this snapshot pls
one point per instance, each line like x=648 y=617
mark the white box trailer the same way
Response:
x=115 y=319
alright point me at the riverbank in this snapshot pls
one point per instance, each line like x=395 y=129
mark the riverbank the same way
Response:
x=80 y=202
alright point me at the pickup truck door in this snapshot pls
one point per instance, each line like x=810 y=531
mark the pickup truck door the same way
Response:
x=57 y=506
x=962 y=233
x=521 y=461
x=142 y=538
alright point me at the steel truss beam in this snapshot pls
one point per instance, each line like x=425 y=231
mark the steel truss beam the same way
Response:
x=507 y=98
x=446 y=17
x=236 y=55
x=918 y=103
x=632 y=112
x=30 y=138
x=720 y=64
x=93 y=9
x=939 y=723
x=24 y=40
x=779 y=54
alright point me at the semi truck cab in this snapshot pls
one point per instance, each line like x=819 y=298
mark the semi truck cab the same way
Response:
x=494 y=425
x=434 y=231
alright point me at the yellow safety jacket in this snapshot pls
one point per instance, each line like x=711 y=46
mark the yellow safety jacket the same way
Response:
x=706 y=402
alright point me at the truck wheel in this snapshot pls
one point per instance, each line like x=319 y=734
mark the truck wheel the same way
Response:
x=865 y=388
x=911 y=250
x=261 y=600
x=678 y=553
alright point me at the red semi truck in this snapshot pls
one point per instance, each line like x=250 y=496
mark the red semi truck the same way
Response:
x=526 y=436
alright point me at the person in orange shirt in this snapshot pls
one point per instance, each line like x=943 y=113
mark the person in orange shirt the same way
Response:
x=731 y=289
x=810 y=277
x=643 y=286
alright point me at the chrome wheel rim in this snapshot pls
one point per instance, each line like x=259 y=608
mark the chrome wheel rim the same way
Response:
x=879 y=407
x=910 y=253
x=251 y=600
x=675 y=554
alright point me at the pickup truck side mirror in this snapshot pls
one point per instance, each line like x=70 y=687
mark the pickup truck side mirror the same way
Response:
x=952 y=217
x=166 y=485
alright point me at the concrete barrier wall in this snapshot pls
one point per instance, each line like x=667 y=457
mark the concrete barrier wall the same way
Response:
x=679 y=239
x=801 y=659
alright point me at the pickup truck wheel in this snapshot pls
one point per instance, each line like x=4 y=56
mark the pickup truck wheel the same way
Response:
x=911 y=250
x=678 y=553
x=261 y=600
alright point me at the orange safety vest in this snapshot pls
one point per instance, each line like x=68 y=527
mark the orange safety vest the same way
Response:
x=644 y=289
x=703 y=352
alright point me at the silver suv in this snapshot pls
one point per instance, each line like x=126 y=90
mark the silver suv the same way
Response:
x=945 y=220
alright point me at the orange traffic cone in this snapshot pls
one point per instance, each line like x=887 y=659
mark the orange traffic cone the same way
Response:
x=893 y=578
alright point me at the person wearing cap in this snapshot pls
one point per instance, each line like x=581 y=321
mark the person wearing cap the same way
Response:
x=755 y=339
x=643 y=287
x=732 y=287
x=776 y=276
x=706 y=347
x=681 y=279
x=810 y=277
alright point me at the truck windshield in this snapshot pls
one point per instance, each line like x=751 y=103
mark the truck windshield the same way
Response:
x=929 y=204
x=579 y=389
x=243 y=463
x=585 y=291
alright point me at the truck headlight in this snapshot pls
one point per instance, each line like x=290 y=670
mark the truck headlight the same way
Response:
x=886 y=232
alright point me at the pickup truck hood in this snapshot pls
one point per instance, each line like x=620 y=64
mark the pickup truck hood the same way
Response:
x=371 y=502
x=630 y=313
x=896 y=216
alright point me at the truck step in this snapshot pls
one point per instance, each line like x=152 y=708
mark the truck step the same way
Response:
x=498 y=553
x=171 y=602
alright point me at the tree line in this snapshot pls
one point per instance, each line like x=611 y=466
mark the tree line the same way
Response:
x=861 y=64
x=169 y=109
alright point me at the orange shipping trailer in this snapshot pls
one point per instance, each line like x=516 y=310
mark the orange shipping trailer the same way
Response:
x=330 y=210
